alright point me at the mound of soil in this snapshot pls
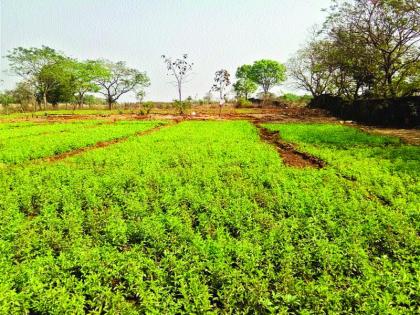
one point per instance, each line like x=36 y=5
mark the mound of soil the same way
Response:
x=288 y=152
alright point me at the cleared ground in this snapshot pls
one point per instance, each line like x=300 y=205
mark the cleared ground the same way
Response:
x=204 y=217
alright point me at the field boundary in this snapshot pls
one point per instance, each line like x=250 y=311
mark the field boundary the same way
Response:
x=289 y=154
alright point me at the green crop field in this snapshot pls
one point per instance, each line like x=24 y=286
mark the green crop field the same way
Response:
x=204 y=218
x=35 y=141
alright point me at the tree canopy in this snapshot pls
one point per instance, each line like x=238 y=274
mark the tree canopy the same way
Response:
x=364 y=49
x=120 y=79
x=264 y=73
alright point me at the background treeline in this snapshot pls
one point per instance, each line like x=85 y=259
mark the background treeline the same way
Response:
x=365 y=49
x=364 y=62
x=50 y=77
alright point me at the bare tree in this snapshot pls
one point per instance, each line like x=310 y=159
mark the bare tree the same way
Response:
x=309 y=70
x=222 y=81
x=180 y=69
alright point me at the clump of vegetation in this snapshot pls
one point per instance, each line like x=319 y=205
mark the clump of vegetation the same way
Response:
x=6 y=99
x=295 y=100
x=243 y=103
x=147 y=107
x=181 y=106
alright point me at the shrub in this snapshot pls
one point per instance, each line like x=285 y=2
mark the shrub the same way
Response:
x=181 y=106
x=147 y=107
x=242 y=102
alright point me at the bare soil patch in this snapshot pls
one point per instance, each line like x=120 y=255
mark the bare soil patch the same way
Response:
x=288 y=152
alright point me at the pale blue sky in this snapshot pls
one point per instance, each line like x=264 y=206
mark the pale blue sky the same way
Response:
x=215 y=33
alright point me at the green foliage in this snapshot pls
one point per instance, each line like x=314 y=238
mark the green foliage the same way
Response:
x=366 y=49
x=119 y=79
x=29 y=143
x=202 y=217
x=267 y=73
x=244 y=88
x=242 y=102
x=84 y=75
x=92 y=100
x=181 y=106
x=41 y=67
x=24 y=94
x=148 y=106
x=6 y=98
x=293 y=98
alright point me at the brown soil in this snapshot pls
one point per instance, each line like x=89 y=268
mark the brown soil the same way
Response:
x=288 y=152
x=101 y=144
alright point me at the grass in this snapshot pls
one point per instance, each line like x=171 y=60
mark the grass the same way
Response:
x=203 y=217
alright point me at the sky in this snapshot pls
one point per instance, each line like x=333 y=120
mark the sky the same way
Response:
x=216 y=34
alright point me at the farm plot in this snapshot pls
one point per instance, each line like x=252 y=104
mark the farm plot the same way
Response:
x=10 y=131
x=36 y=141
x=203 y=217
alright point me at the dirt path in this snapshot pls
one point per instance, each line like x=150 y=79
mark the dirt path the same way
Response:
x=288 y=152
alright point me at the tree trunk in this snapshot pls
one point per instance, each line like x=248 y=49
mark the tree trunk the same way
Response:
x=109 y=103
x=81 y=96
x=179 y=92
x=44 y=99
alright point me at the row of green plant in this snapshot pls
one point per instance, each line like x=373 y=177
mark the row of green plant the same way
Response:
x=203 y=217
x=10 y=131
x=47 y=140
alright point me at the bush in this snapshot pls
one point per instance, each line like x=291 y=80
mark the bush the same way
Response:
x=147 y=107
x=291 y=97
x=296 y=99
x=181 y=106
x=242 y=102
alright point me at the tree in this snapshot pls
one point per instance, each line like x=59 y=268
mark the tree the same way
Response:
x=221 y=82
x=24 y=95
x=180 y=69
x=309 y=68
x=85 y=74
x=267 y=74
x=38 y=67
x=390 y=31
x=6 y=98
x=120 y=79
x=244 y=86
x=208 y=97
x=140 y=95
